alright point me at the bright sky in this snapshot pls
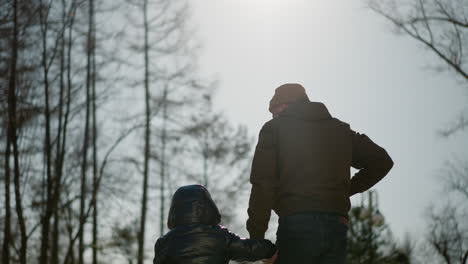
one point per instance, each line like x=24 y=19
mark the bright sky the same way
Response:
x=347 y=57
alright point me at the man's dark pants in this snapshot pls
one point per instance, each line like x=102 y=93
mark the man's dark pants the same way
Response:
x=315 y=238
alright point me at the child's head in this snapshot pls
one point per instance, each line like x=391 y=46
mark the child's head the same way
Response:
x=192 y=204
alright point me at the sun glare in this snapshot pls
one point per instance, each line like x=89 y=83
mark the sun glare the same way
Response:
x=272 y=5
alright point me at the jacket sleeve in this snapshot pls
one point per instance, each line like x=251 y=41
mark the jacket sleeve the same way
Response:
x=263 y=179
x=249 y=249
x=158 y=254
x=372 y=161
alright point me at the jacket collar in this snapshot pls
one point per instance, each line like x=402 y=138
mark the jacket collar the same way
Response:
x=311 y=111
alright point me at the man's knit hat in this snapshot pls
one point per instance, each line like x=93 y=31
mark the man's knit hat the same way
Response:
x=288 y=93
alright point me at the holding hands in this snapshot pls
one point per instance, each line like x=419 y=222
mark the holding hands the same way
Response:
x=272 y=259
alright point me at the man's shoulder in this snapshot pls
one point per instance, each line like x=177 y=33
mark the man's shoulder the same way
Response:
x=270 y=122
x=267 y=127
x=341 y=123
x=275 y=122
x=163 y=239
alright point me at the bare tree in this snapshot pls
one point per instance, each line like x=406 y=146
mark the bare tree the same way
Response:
x=163 y=160
x=162 y=23
x=89 y=55
x=448 y=229
x=46 y=64
x=370 y=239
x=124 y=238
x=10 y=93
x=448 y=235
x=95 y=155
x=12 y=134
x=7 y=218
x=63 y=182
x=16 y=26
x=441 y=26
x=141 y=234
x=220 y=155
x=7 y=221
x=63 y=119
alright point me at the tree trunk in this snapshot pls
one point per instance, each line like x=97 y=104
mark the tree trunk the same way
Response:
x=163 y=161
x=59 y=156
x=205 y=154
x=86 y=135
x=7 y=227
x=69 y=87
x=7 y=231
x=47 y=141
x=94 y=125
x=141 y=234
x=13 y=135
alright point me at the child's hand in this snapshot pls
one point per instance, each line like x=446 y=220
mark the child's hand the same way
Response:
x=272 y=259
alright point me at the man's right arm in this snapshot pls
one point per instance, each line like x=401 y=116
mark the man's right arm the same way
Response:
x=372 y=161
x=263 y=179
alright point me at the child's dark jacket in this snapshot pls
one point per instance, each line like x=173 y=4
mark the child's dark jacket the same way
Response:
x=197 y=238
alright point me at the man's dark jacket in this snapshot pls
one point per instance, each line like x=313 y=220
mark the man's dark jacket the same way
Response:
x=197 y=238
x=302 y=164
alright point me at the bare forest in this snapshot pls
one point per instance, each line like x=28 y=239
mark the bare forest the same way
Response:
x=104 y=113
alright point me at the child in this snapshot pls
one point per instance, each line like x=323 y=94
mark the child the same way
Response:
x=195 y=235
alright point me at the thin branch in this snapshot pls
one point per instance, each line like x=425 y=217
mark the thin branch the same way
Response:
x=440 y=19
x=415 y=34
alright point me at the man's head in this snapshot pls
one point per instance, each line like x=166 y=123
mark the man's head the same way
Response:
x=286 y=94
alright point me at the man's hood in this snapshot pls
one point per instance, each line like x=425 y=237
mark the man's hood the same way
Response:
x=192 y=204
x=310 y=111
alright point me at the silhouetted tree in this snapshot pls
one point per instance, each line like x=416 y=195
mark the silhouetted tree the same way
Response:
x=124 y=239
x=448 y=228
x=370 y=239
x=441 y=26
x=12 y=143
x=167 y=72
x=12 y=135
x=220 y=155
x=66 y=176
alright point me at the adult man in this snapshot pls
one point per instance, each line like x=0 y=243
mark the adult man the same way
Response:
x=301 y=170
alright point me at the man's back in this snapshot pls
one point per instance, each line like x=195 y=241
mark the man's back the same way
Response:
x=314 y=153
x=302 y=164
x=301 y=169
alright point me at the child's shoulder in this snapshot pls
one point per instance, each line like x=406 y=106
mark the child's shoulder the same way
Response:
x=224 y=231
x=168 y=237
x=189 y=230
x=173 y=238
x=222 y=228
